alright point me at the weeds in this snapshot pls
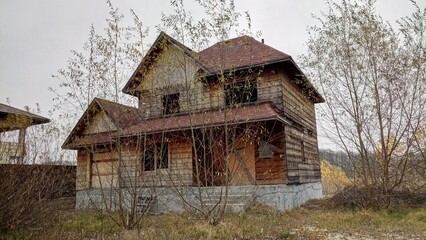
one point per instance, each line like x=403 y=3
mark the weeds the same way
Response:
x=258 y=222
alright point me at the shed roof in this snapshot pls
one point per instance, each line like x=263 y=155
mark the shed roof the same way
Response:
x=247 y=113
x=12 y=118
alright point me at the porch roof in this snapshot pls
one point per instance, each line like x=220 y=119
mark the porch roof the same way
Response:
x=103 y=138
x=12 y=118
x=244 y=114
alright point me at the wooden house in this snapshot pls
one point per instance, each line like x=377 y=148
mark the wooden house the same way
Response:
x=239 y=114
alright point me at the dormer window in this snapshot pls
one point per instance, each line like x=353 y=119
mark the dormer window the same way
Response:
x=240 y=92
x=171 y=104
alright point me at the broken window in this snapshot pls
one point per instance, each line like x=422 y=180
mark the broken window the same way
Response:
x=155 y=156
x=171 y=103
x=240 y=92
x=267 y=149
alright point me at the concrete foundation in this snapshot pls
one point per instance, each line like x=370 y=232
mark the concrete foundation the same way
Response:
x=169 y=199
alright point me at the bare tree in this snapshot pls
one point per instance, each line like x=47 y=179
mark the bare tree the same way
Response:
x=139 y=168
x=374 y=84
x=216 y=159
x=101 y=69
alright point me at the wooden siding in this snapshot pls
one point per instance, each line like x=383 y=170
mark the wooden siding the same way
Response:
x=303 y=166
x=83 y=170
x=172 y=72
x=102 y=172
x=302 y=169
x=99 y=123
x=269 y=87
x=272 y=170
x=242 y=163
x=178 y=173
x=297 y=105
x=196 y=96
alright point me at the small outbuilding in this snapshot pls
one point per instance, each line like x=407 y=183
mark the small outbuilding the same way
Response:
x=15 y=119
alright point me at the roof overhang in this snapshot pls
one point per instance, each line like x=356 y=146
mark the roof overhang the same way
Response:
x=250 y=113
x=12 y=118
x=289 y=65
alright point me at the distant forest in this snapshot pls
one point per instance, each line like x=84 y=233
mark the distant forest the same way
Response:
x=337 y=158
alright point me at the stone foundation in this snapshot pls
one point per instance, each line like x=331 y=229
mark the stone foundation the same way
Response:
x=168 y=199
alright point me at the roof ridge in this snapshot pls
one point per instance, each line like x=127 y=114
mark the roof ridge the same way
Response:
x=239 y=53
x=112 y=102
x=227 y=40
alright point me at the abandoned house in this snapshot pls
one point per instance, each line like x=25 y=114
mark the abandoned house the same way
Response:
x=12 y=119
x=238 y=115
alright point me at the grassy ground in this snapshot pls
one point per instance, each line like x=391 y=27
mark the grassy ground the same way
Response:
x=257 y=223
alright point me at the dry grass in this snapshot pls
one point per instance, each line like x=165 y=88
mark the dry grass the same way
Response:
x=311 y=222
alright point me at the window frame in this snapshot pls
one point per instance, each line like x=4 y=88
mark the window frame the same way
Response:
x=157 y=161
x=235 y=93
x=171 y=103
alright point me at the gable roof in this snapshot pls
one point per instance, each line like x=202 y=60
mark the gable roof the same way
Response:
x=122 y=116
x=9 y=115
x=230 y=55
x=159 y=44
x=239 y=53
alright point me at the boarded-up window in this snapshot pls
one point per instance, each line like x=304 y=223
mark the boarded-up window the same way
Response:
x=103 y=170
x=270 y=162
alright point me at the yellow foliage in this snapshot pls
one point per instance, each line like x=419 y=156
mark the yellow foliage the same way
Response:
x=333 y=178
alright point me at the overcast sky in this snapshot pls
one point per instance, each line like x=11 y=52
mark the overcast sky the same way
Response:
x=36 y=36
